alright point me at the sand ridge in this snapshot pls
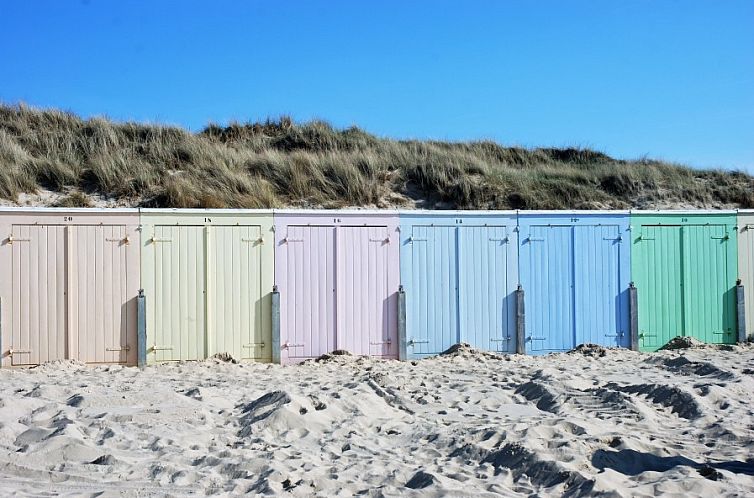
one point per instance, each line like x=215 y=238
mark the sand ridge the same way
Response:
x=591 y=422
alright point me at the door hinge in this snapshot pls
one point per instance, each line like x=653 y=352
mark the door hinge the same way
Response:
x=259 y=240
x=11 y=352
x=621 y=334
x=125 y=348
x=254 y=344
x=125 y=240
x=289 y=345
x=12 y=239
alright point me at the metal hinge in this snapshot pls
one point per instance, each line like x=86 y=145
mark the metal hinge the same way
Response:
x=125 y=348
x=11 y=352
x=724 y=237
x=384 y=241
x=615 y=335
x=413 y=239
x=155 y=239
x=505 y=240
x=286 y=240
x=254 y=344
x=501 y=340
x=381 y=343
x=125 y=240
x=533 y=239
x=259 y=240
x=288 y=345
x=12 y=239
x=156 y=348
x=412 y=342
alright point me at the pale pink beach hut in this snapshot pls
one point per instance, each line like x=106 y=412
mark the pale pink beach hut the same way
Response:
x=337 y=273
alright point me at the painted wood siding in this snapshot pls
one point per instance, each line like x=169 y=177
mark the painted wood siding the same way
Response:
x=73 y=278
x=575 y=272
x=746 y=265
x=459 y=272
x=685 y=268
x=207 y=278
x=337 y=273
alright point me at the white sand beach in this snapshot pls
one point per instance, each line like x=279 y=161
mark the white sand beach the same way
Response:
x=595 y=422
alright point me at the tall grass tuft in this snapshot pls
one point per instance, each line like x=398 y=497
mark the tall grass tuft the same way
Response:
x=279 y=163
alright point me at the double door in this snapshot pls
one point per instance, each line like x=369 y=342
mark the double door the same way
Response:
x=461 y=289
x=572 y=281
x=684 y=284
x=337 y=291
x=204 y=293
x=74 y=293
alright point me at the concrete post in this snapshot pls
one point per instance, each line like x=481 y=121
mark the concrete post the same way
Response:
x=275 y=325
x=633 y=317
x=520 y=322
x=402 y=346
x=141 y=329
x=741 y=312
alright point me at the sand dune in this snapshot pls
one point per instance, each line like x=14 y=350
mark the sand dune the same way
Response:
x=590 y=422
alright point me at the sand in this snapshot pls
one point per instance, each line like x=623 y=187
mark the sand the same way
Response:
x=592 y=422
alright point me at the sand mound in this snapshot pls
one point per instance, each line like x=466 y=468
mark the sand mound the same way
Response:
x=683 y=343
x=223 y=357
x=333 y=355
x=464 y=350
x=462 y=424
x=591 y=350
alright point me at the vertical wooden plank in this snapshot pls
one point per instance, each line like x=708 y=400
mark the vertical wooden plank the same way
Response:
x=208 y=312
x=107 y=278
x=37 y=344
x=69 y=272
x=44 y=331
x=246 y=291
x=181 y=343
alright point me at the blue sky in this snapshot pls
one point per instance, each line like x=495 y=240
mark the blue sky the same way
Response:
x=669 y=79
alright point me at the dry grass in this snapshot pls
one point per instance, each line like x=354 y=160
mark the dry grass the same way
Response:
x=280 y=163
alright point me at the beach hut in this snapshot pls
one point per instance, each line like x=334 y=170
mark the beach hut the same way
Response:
x=69 y=280
x=337 y=275
x=575 y=274
x=207 y=277
x=745 y=298
x=684 y=265
x=459 y=272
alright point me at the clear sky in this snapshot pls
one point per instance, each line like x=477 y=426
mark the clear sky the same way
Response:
x=669 y=79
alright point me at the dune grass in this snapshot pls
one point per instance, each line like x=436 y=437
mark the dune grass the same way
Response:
x=280 y=163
